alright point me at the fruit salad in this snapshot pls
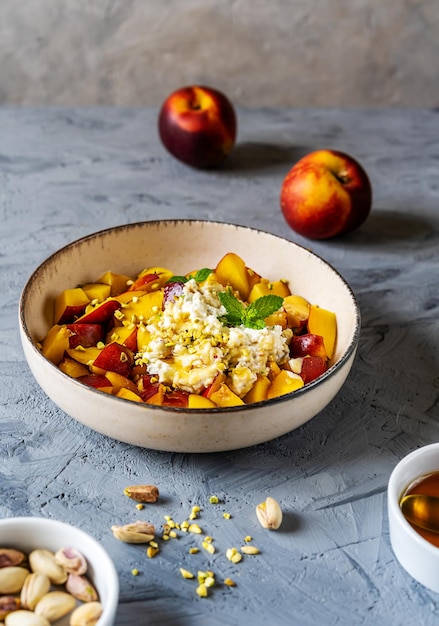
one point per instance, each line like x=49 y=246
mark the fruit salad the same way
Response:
x=216 y=337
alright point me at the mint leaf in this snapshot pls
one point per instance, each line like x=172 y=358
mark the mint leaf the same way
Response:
x=264 y=306
x=178 y=279
x=233 y=307
x=254 y=315
x=202 y=274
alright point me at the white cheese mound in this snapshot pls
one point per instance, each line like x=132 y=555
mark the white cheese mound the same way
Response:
x=190 y=346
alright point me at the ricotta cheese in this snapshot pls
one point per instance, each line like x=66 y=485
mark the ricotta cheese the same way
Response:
x=189 y=345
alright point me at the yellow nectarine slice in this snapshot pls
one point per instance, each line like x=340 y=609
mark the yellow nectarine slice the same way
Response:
x=231 y=270
x=56 y=343
x=148 y=305
x=259 y=391
x=324 y=323
x=120 y=382
x=266 y=288
x=297 y=309
x=128 y=394
x=70 y=303
x=163 y=275
x=118 y=282
x=224 y=396
x=195 y=401
x=86 y=356
x=72 y=368
x=97 y=291
x=284 y=383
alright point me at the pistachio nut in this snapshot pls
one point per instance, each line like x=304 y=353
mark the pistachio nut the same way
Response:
x=269 y=514
x=25 y=618
x=81 y=588
x=7 y=605
x=43 y=562
x=86 y=614
x=137 y=532
x=142 y=493
x=35 y=587
x=9 y=556
x=72 y=560
x=12 y=579
x=55 y=605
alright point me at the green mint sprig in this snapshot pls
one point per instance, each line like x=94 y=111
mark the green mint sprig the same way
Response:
x=252 y=316
x=199 y=276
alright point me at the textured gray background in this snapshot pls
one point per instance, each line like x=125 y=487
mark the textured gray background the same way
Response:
x=65 y=173
x=260 y=52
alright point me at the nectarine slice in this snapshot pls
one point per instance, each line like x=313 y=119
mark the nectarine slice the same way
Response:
x=231 y=270
x=324 y=323
x=284 y=383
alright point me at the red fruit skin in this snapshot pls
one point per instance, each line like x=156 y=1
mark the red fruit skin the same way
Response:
x=198 y=126
x=85 y=335
x=115 y=358
x=312 y=368
x=307 y=345
x=326 y=194
x=101 y=313
x=94 y=380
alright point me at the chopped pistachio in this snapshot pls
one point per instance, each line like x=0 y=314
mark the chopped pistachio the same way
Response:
x=194 y=528
x=151 y=552
x=202 y=590
x=250 y=550
x=210 y=548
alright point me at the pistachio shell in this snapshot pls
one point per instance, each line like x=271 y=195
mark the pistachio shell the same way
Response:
x=137 y=532
x=269 y=514
x=9 y=556
x=43 y=562
x=25 y=618
x=72 y=560
x=7 y=605
x=81 y=588
x=55 y=605
x=86 y=614
x=12 y=579
x=35 y=587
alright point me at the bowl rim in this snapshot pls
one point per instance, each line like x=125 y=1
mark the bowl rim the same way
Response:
x=39 y=522
x=335 y=367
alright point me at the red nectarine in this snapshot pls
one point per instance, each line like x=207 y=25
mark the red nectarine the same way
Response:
x=325 y=194
x=197 y=125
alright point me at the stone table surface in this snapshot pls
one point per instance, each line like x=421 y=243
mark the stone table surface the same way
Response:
x=65 y=173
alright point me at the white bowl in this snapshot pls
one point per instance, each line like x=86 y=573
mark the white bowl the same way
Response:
x=183 y=245
x=417 y=556
x=29 y=533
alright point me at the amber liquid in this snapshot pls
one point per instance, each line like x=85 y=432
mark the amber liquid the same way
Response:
x=427 y=485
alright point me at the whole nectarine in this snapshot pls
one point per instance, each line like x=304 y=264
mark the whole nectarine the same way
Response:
x=197 y=125
x=325 y=194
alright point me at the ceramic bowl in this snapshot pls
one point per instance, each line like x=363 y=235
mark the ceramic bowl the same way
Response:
x=183 y=245
x=31 y=533
x=417 y=556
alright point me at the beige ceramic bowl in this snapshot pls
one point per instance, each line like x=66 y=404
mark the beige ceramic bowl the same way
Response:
x=182 y=245
x=32 y=533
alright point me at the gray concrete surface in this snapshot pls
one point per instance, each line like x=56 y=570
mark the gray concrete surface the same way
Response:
x=298 y=53
x=67 y=172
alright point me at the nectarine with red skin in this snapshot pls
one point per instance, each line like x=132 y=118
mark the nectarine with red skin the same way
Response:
x=197 y=125
x=326 y=194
